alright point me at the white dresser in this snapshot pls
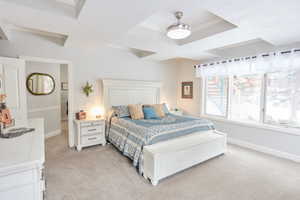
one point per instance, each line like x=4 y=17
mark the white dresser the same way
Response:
x=89 y=132
x=22 y=165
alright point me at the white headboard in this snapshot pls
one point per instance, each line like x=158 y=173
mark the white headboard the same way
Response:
x=124 y=92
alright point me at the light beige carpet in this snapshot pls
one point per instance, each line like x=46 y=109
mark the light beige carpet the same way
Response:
x=102 y=173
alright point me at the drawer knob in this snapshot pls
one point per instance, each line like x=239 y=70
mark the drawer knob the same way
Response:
x=92 y=129
x=93 y=138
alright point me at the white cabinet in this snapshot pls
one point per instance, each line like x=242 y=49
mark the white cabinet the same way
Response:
x=22 y=165
x=13 y=84
x=90 y=132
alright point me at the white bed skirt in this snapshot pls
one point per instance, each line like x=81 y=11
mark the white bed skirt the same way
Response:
x=169 y=157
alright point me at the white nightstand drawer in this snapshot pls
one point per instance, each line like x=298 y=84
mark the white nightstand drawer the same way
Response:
x=86 y=140
x=96 y=123
x=91 y=130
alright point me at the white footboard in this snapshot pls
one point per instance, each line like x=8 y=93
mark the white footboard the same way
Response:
x=166 y=158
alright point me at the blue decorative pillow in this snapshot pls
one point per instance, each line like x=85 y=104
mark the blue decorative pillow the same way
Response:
x=149 y=113
x=165 y=108
x=121 y=111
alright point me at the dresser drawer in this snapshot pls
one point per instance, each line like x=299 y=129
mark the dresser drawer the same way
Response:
x=92 y=139
x=17 y=179
x=90 y=130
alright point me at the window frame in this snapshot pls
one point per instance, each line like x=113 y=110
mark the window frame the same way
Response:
x=205 y=98
x=263 y=105
x=263 y=99
x=261 y=96
x=265 y=108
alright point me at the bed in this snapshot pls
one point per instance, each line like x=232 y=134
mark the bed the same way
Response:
x=158 y=147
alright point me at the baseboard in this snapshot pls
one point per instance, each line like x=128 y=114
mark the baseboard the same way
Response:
x=53 y=133
x=263 y=149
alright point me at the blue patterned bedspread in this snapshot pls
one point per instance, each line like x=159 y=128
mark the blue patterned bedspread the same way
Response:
x=130 y=136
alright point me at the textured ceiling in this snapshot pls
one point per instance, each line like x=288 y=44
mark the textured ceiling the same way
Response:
x=220 y=28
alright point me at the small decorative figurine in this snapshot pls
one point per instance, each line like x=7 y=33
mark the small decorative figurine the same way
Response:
x=81 y=115
x=5 y=117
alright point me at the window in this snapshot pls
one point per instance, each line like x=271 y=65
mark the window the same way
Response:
x=216 y=96
x=283 y=98
x=272 y=98
x=245 y=98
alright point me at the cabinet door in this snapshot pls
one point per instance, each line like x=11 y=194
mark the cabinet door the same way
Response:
x=13 y=84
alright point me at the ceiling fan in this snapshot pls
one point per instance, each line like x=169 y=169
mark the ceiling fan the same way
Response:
x=179 y=30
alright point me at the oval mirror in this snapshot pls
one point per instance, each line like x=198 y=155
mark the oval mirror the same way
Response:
x=40 y=84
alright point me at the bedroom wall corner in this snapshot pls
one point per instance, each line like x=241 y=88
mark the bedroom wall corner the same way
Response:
x=186 y=72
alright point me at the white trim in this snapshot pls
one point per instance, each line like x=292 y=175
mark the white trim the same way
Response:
x=44 y=60
x=70 y=91
x=53 y=133
x=263 y=99
x=44 y=109
x=229 y=89
x=263 y=149
x=290 y=131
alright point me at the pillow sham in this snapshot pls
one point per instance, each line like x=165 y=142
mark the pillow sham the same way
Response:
x=149 y=113
x=136 y=111
x=121 y=111
x=159 y=110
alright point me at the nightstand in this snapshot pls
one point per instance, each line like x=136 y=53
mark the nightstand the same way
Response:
x=176 y=112
x=89 y=133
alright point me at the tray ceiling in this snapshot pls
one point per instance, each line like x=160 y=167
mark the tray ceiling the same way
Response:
x=220 y=28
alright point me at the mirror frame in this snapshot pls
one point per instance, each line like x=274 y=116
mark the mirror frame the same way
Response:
x=43 y=74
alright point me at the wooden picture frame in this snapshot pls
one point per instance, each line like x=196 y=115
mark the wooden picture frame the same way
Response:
x=187 y=90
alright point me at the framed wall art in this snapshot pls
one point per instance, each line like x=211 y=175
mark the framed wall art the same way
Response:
x=187 y=90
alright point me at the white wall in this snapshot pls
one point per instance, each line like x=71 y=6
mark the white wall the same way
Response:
x=252 y=136
x=186 y=74
x=93 y=65
x=45 y=106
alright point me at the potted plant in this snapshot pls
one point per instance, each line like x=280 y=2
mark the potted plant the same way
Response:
x=87 y=89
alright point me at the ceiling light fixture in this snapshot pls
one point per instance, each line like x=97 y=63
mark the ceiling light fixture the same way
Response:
x=179 y=30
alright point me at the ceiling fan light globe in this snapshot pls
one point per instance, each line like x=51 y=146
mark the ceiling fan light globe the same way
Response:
x=178 y=32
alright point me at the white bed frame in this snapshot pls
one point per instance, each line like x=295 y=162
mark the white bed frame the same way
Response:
x=169 y=157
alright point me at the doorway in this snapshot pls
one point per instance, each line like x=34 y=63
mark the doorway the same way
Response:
x=56 y=108
x=64 y=90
